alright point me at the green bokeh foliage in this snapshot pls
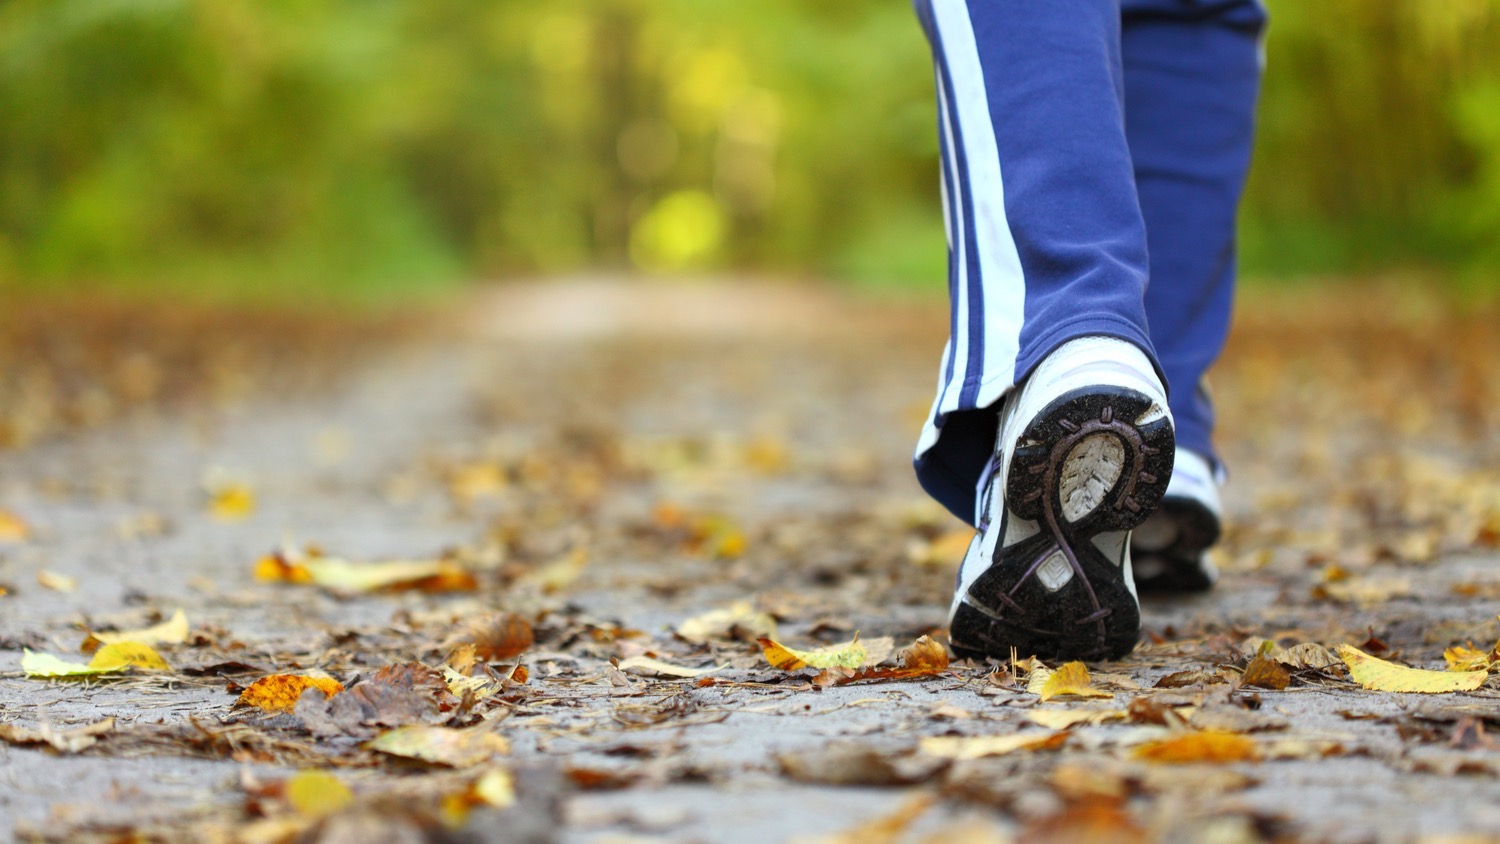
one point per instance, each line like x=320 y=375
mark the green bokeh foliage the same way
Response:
x=291 y=149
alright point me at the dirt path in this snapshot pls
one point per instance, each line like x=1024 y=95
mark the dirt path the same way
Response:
x=608 y=462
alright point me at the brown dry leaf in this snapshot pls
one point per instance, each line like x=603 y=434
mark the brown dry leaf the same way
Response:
x=1097 y=819
x=56 y=582
x=173 y=631
x=62 y=739
x=1208 y=746
x=850 y=654
x=13 y=529
x=645 y=664
x=1265 y=673
x=1071 y=679
x=456 y=748
x=739 y=621
x=856 y=763
x=1364 y=590
x=1183 y=679
x=280 y=692
x=1064 y=719
x=1306 y=655
x=231 y=502
x=500 y=637
x=313 y=794
x=1381 y=676
x=978 y=747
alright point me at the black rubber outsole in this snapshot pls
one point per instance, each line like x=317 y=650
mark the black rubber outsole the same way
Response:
x=1094 y=615
x=1181 y=571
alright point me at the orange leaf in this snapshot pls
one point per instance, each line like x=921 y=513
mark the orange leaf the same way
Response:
x=279 y=692
x=1207 y=746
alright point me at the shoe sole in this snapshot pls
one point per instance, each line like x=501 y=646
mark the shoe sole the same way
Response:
x=1056 y=594
x=1182 y=570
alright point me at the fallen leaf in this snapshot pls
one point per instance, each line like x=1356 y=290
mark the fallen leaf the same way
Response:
x=62 y=739
x=945 y=551
x=978 y=747
x=280 y=692
x=456 y=748
x=1306 y=655
x=339 y=575
x=495 y=788
x=56 y=582
x=1063 y=719
x=13 y=529
x=645 y=664
x=1381 y=676
x=1071 y=679
x=886 y=829
x=313 y=794
x=1207 y=746
x=737 y=622
x=1183 y=679
x=850 y=654
x=231 y=502
x=1092 y=819
x=925 y=655
x=501 y=637
x=110 y=659
x=560 y=573
x=1462 y=658
x=856 y=763
x=1265 y=673
x=173 y=631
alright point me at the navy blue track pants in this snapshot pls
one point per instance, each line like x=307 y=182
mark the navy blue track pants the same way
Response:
x=1093 y=155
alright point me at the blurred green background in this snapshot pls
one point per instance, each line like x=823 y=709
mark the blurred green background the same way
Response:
x=294 y=150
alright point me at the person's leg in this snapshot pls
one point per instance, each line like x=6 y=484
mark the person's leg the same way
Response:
x=1046 y=239
x=1192 y=73
x=1051 y=415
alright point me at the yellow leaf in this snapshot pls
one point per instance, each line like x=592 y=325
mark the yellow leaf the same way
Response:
x=1071 y=678
x=280 y=692
x=560 y=573
x=739 y=620
x=340 y=575
x=496 y=788
x=850 y=654
x=122 y=655
x=314 y=794
x=13 y=529
x=56 y=582
x=1207 y=746
x=1381 y=676
x=946 y=551
x=1063 y=719
x=978 y=747
x=458 y=748
x=666 y=669
x=1461 y=658
x=110 y=659
x=173 y=631
x=231 y=502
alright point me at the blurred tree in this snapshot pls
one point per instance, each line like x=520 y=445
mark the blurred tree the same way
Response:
x=285 y=148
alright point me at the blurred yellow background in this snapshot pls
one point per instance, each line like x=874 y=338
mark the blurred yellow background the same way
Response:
x=302 y=151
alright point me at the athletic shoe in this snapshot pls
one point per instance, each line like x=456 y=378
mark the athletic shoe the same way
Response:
x=1084 y=454
x=1170 y=549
